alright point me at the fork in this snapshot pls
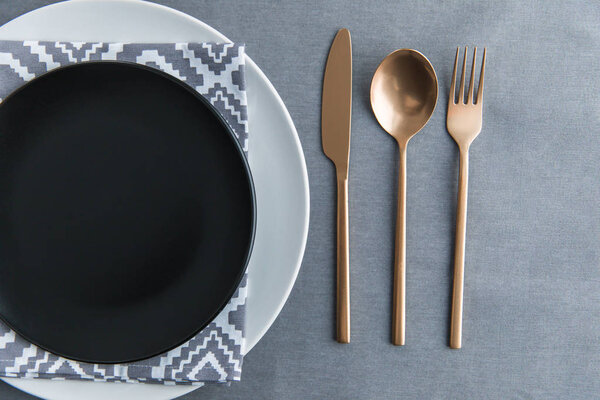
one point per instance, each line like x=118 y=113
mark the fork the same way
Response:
x=464 y=122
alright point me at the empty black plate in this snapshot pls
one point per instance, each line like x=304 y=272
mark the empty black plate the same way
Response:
x=126 y=212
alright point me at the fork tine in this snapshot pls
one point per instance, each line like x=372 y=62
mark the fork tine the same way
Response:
x=472 y=81
x=480 y=89
x=453 y=84
x=461 y=88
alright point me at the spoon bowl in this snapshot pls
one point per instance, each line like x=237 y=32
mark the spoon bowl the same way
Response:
x=404 y=92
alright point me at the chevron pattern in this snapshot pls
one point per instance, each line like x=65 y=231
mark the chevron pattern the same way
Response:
x=217 y=72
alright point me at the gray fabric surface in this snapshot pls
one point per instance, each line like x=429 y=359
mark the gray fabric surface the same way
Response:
x=532 y=290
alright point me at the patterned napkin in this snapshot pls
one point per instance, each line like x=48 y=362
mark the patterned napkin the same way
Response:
x=216 y=71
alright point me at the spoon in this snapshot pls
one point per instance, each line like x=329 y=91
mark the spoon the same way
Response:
x=403 y=96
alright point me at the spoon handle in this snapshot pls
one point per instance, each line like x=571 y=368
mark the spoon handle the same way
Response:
x=343 y=264
x=459 y=252
x=399 y=297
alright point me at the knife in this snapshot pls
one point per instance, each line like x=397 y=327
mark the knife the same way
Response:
x=336 y=110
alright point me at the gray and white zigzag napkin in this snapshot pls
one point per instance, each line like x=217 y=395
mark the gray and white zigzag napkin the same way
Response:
x=216 y=71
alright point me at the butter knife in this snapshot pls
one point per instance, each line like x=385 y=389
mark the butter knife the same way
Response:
x=336 y=110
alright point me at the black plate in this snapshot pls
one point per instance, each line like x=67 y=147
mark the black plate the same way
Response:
x=126 y=212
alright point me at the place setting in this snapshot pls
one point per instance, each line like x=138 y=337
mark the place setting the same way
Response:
x=140 y=221
x=313 y=201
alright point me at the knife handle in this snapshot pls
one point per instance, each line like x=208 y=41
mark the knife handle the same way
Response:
x=343 y=264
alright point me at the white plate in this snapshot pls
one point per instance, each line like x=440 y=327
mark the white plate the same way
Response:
x=276 y=161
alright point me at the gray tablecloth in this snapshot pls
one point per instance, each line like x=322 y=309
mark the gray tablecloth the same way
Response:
x=532 y=290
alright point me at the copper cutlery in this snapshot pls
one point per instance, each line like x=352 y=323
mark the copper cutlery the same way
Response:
x=404 y=93
x=335 y=130
x=464 y=122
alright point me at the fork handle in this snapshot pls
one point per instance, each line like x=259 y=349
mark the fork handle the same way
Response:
x=343 y=264
x=459 y=252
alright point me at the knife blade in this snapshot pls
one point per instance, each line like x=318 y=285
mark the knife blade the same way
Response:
x=336 y=111
x=337 y=102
